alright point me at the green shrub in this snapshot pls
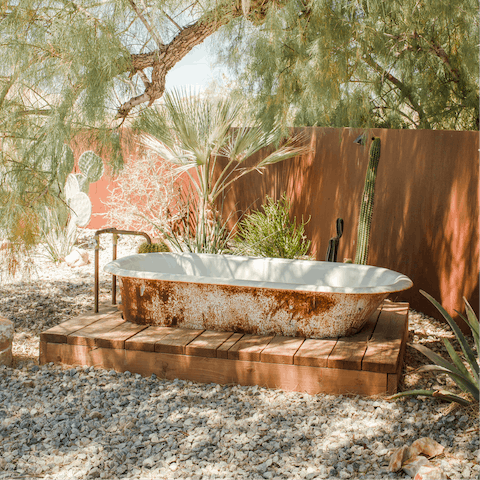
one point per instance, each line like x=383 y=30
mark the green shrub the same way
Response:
x=271 y=233
x=153 y=247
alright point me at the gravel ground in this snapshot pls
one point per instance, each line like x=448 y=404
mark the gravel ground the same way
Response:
x=61 y=423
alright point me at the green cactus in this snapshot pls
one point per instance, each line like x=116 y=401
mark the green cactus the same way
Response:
x=91 y=166
x=366 y=209
x=83 y=182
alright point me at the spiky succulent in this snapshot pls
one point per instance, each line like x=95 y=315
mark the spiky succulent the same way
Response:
x=463 y=369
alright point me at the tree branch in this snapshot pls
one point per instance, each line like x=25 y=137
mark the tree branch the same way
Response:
x=172 y=20
x=150 y=29
x=167 y=56
x=400 y=85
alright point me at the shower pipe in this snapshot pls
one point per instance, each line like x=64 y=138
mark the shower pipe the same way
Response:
x=115 y=234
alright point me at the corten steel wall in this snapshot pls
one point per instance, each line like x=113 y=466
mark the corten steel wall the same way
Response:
x=425 y=218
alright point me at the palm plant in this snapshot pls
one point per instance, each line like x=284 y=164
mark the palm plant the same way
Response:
x=463 y=371
x=193 y=133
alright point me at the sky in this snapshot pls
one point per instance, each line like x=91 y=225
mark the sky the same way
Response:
x=195 y=70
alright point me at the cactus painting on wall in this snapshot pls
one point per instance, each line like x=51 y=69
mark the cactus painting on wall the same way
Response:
x=77 y=186
x=60 y=225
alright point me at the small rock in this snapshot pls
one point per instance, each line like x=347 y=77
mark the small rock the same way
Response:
x=397 y=459
x=149 y=462
x=77 y=258
x=427 y=446
x=6 y=337
x=429 y=472
x=412 y=466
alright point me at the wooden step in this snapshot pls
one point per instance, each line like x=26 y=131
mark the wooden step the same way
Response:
x=368 y=363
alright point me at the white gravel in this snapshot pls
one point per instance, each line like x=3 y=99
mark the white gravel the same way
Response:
x=85 y=423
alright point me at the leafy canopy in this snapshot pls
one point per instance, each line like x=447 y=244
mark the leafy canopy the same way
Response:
x=361 y=63
x=73 y=67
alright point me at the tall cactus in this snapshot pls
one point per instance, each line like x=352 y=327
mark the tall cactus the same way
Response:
x=366 y=209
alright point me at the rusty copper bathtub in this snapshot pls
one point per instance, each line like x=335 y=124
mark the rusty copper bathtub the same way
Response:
x=252 y=295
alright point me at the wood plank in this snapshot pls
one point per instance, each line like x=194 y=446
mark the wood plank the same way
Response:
x=217 y=370
x=281 y=350
x=177 y=340
x=63 y=353
x=146 y=339
x=87 y=335
x=59 y=333
x=206 y=344
x=249 y=347
x=222 y=350
x=251 y=359
x=42 y=352
x=393 y=379
x=312 y=380
x=383 y=352
x=116 y=337
x=349 y=351
x=314 y=352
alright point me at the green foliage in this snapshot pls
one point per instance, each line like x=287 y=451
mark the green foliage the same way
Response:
x=271 y=233
x=153 y=247
x=463 y=368
x=396 y=64
x=55 y=73
x=193 y=134
x=366 y=208
x=91 y=166
x=194 y=229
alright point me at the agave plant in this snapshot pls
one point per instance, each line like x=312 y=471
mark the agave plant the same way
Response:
x=193 y=133
x=465 y=376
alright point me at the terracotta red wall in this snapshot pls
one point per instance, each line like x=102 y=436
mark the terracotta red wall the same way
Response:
x=425 y=220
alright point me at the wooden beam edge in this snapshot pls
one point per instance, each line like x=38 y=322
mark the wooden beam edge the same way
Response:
x=388 y=368
x=312 y=380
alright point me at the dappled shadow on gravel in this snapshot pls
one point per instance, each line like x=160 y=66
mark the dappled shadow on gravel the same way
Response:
x=86 y=423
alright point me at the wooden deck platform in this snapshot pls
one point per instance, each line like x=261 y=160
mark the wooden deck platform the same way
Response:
x=368 y=363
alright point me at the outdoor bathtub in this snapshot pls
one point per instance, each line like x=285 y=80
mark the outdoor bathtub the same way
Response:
x=258 y=296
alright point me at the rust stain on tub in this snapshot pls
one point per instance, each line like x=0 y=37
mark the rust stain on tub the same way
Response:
x=252 y=310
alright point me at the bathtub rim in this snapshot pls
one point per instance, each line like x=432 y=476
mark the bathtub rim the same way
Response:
x=402 y=281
